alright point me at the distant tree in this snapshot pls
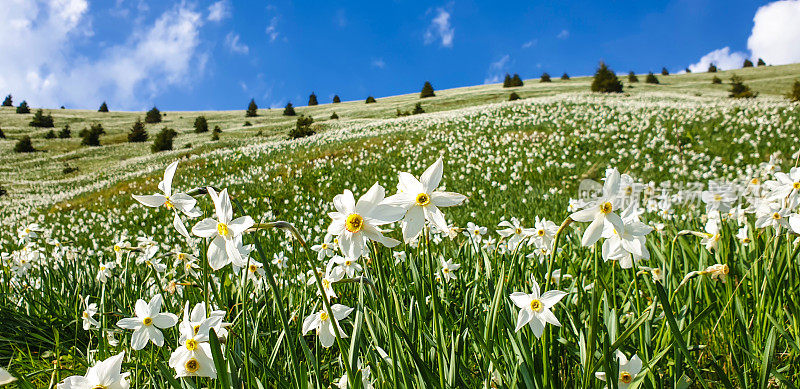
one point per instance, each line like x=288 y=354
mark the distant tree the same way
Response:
x=427 y=90
x=747 y=63
x=513 y=96
x=605 y=81
x=761 y=62
x=336 y=99
x=712 y=68
x=334 y=116
x=153 y=116
x=312 y=100
x=3 y=191
x=302 y=128
x=65 y=132
x=24 y=145
x=8 y=102
x=370 y=100
x=2 y=134
x=23 y=107
x=247 y=124
x=103 y=107
x=138 y=132
x=716 y=80
x=516 y=80
x=163 y=140
x=507 y=81
x=252 y=109
x=545 y=77
x=632 y=77
x=651 y=78
x=664 y=72
x=417 y=109
x=50 y=135
x=565 y=76
x=200 y=125
x=289 y=110
x=739 y=90
x=40 y=120
x=91 y=136
x=794 y=95
x=688 y=70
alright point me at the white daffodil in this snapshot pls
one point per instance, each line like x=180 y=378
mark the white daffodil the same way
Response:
x=198 y=315
x=322 y=323
x=172 y=201
x=327 y=279
x=149 y=319
x=627 y=370
x=104 y=271
x=514 y=231
x=28 y=232
x=399 y=256
x=535 y=308
x=448 y=269
x=366 y=382
x=421 y=200
x=225 y=231
x=474 y=232
x=785 y=186
x=6 y=377
x=192 y=357
x=718 y=198
x=543 y=233
x=773 y=215
x=600 y=212
x=627 y=245
x=88 y=315
x=105 y=374
x=280 y=261
x=344 y=266
x=744 y=236
x=353 y=223
x=655 y=272
x=712 y=235
x=324 y=249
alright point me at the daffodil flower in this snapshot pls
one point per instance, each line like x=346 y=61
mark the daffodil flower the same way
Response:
x=344 y=266
x=324 y=249
x=322 y=323
x=88 y=315
x=448 y=269
x=6 y=377
x=105 y=374
x=198 y=314
x=535 y=309
x=172 y=201
x=600 y=212
x=628 y=370
x=147 y=323
x=353 y=223
x=192 y=357
x=225 y=231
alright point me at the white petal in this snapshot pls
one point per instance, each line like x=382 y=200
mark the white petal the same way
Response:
x=432 y=176
x=155 y=200
x=205 y=228
x=169 y=173
x=447 y=199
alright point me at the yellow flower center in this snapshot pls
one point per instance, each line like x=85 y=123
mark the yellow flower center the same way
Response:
x=776 y=215
x=348 y=262
x=717 y=197
x=85 y=314
x=540 y=232
x=324 y=246
x=117 y=248
x=625 y=377
x=423 y=199
x=518 y=230
x=445 y=270
x=102 y=268
x=796 y=185
x=253 y=268
x=192 y=365
x=536 y=305
x=606 y=207
x=181 y=256
x=725 y=269
x=191 y=344
x=754 y=181
x=147 y=321
x=168 y=204
x=354 y=223
x=326 y=283
x=477 y=232
x=27 y=230
x=196 y=329
x=99 y=387
x=222 y=229
x=323 y=316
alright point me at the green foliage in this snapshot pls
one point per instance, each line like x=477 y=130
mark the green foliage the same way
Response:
x=163 y=140
x=23 y=107
x=716 y=80
x=334 y=116
x=200 y=124
x=336 y=99
x=712 y=68
x=2 y=134
x=507 y=81
x=664 y=72
x=50 y=135
x=370 y=100
x=24 y=145
x=632 y=77
x=516 y=80
x=312 y=100
x=605 y=81
x=417 y=109
x=40 y=120
x=513 y=96
x=8 y=101
x=565 y=76
x=252 y=109
x=215 y=133
x=545 y=77
x=302 y=128
x=91 y=136
x=651 y=78
x=427 y=90
x=103 y=107
x=65 y=132
x=794 y=95
x=153 y=116
x=687 y=70
x=761 y=62
x=747 y=63
x=289 y=110
x=739 y=90
x=138 y=132
x=3 y=191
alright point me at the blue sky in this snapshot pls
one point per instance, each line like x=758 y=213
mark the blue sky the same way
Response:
x=204 y=55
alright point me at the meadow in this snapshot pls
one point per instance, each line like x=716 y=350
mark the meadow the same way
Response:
x=453 y=248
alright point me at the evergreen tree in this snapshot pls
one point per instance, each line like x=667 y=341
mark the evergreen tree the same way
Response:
x=605 y=81
x=40 y=120
x=2 y=134
x=794 y=95
x=761 y=62
x=427 y=90
x=336 y=99
x=632 y=77
x=215 y=133
x=513 y=96
x=739 y=90
x=545 y=77
x=8 y=102
x=138 y=132
x=91 y=136
x=516 y=80
x=23 y=107
x=153 y=116
x=252 y=109
x=712 y=68
x=289 y=110
x=163 y=141
x=24 y=145
x=664 y=72
x=747 y=63
x=334 y=116
x=565 y=76
x=302 y=128
x=65 y=132
x=312 y=100
x=716 y=80
x=103 y=107
x=507 y=81
x=200 y=125
x=651 y=78
x=50 y=135
x=417 y=109
x=688 y=70
x=370 y=100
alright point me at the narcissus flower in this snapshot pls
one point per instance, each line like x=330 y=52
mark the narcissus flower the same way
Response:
x=600 y=212
x=225 y=231
x=105 y=374
x=355 y=222
x=628 y=370
x=172 y=201
x=88 y=315
x=448 y=269
x=147 y=323
x=192 y=357
x=535 y=308
x=322 y=323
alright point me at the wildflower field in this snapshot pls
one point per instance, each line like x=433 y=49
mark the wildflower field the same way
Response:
x=568 y=239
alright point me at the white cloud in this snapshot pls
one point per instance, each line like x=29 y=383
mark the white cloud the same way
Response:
x=232 y=41
x=219 y=11
x=497 y=70
x=272 y=29
x=722 y=58
x=776 y=33
x=378 y=63
x=530 y=43
x=440 y=29
x=564 y=34
x=39 y=63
